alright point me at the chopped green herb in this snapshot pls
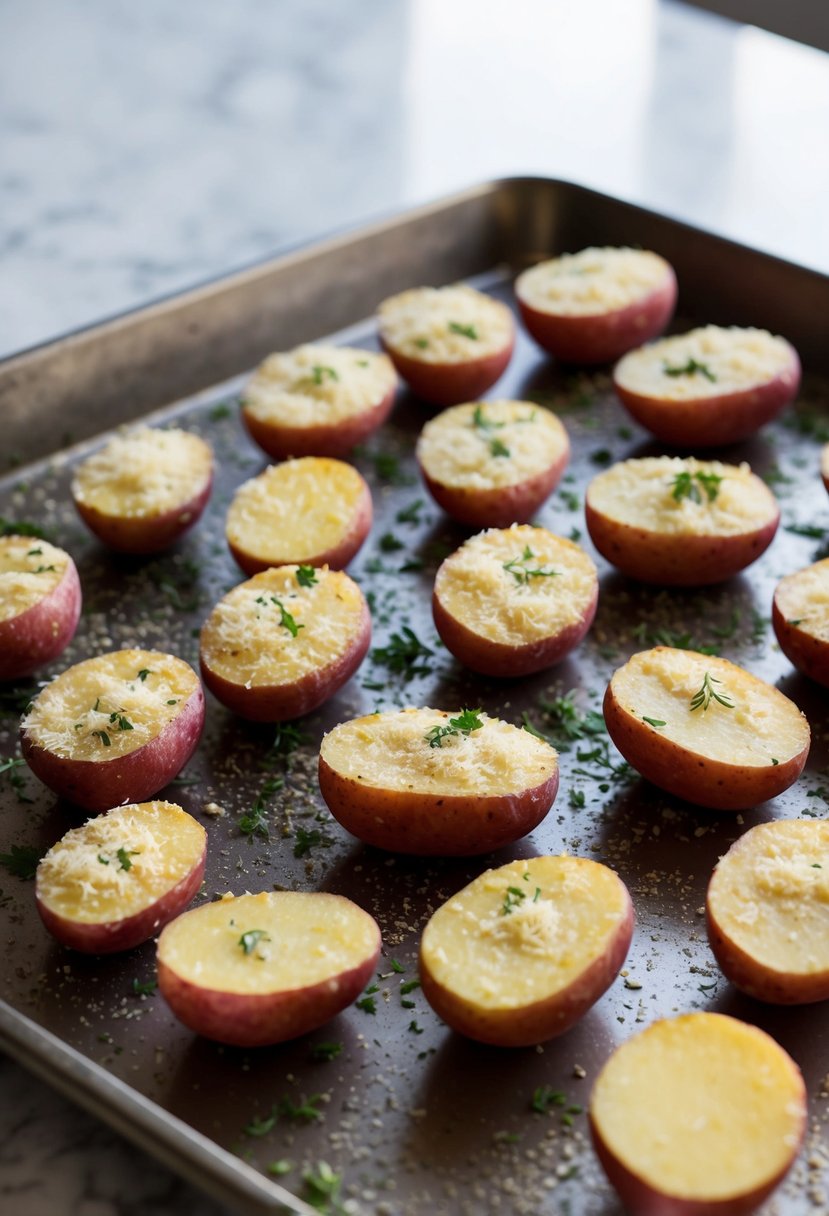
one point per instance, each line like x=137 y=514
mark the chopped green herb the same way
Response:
x=704 y=695
x=305 y=841
x=497 y=448
x=466 y=721
x=655 y=722
x=571 y=500
x=278 y=1168
x=513 y=897
x=482 y=423
x=143 y=673
x=812 y=531
x=34 y=553
x=687 y=485
x=251 y=939
x=117 y=719
x=415 y=1029
x=139 y=989
x=775 y=762
x=466 y=331
x=103 y=860
x=574 y=724
x=255 y=822
x=220 y=411
x=326 y=1051
x=306 y=576
x=322 y=1188
x=403 y=653
x=529 y=726
x=20 y=527
x=576 y=799
x=285 y=618
x=410 y=514
x=305 y=1112
x=523 y=573
x=544 y=1096
x=690 y=368
x=103 y=736
x=396 y=967
x=318 y=373
x=22 y=860
x=421 y=343
x=409 y=986
x=368 y=1004
x=260 y=1125
x=389 y=543
x=287 y=738
x=124 y=856
x=601 y=456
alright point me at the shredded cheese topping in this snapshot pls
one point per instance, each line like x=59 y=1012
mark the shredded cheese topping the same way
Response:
x=318 y=385
x=803 y=599
x=763 y=725
x=445 y=324
x=497 y=591
x=119 y=863
x=297 y=510
x=734 y=360
x=643 y=494
x=592 y=282
x=102 y=709
x=29 y=570
x=390 y=751
x=490 y=444
x=245 y=641
x=143 y=473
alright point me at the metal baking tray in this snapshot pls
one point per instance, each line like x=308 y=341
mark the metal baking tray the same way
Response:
x=412 y=1118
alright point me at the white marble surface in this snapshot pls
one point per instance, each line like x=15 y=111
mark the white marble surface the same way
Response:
x=144 y=147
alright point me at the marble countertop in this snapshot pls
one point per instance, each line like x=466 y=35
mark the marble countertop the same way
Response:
x=147 y=147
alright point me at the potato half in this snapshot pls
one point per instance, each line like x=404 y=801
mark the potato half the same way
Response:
x=767 y=912
x=514 y=601
x=699 y=1115
x=144 y=489
x=492 y=463
x=431 y=782
x=681 y=523
x=281 y=644
x=592 y=306
x=522 y=953
x=259 y=969
x=114 y=882
x=710 y=386
x=705 y=729
x=318 y=400
x=800 y=616
x=449 y=344
x=115 y=728
x=312 y=511
x=40 y=603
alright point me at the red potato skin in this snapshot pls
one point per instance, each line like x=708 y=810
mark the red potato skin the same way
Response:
x=504 y=661
x=713 y=421
x=336 y=558
x=543 y=1020
x=602 y=337
x=758 y=980
x=280 y=702
x=42 y=632
x=709 y=783
x=638 y=1196
x=810 y=655
x=501 y=506
x=257 y=1020
x=332 y=439
x=146 y=534
x=115 y=936
x=674 y=560
x=450 y=383
x=402 y=821
x=98 y=785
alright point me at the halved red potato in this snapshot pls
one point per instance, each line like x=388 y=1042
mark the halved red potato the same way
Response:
x=257 y=969
x=705 y=729
x=514 y=601
x=313 y=511
x=800 y=616
x=449 y=344
x=593 y=306
x=433 y=783
x=710 y=386
x=115 y=728
x=492 y=463
x=40 y=603
x=114 y=882
x=767 y=912
x=681 y=523
x=318 y=400
x=279 y=645
x=699 y=1115
x=144 y=489
x=519 y=955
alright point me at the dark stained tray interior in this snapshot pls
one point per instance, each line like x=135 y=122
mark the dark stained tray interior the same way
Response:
x=411 y=1116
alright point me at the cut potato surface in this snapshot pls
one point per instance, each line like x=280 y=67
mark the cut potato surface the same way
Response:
x=707 y=362
x=698 y=1114
x=125 y=873
x=292 y=635
x=144 y=488
x=313 y=510
x=592 y=281
x=259 y=969
x=682 y=522
x=430 y=782
x=40 y=603
x=522 y=952
x=29 y=570
x=514 y=600
x=445 y=324
x=800 y=615
x=768 y=911
x=704 y=728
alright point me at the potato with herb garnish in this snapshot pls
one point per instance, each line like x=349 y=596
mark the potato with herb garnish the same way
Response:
x=522 y=953
x=680 y=522
x=436 y=783
x=40 y=604
x=705 y=729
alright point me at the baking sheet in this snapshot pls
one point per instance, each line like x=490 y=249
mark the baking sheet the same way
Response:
x=411 y=1117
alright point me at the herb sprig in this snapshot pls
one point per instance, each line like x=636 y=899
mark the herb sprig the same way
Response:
x=466 y=721
x=707 y=693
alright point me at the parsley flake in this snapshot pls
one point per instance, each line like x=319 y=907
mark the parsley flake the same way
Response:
x=466 y=721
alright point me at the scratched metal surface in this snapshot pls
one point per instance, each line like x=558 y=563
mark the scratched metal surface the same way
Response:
x=411 y=1116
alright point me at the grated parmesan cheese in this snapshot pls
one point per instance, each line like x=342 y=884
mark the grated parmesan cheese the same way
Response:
x=144 y=472
x=445 y=324
x=318 y=385
x=592 y=282
x=29 y=570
